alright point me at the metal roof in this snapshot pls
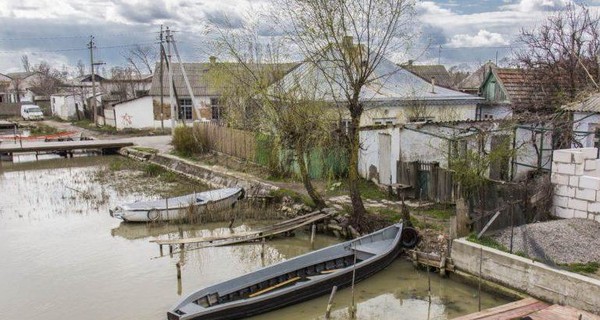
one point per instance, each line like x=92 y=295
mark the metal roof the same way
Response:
x=390 y=83
x=589 y=104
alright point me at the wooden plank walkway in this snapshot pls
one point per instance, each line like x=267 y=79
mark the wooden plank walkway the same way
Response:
x=271 y=231
x=62 y=146
x=508 y=311
x=530 y=309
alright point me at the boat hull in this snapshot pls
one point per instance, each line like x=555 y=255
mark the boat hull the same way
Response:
x=137 y=213
x=319 y=285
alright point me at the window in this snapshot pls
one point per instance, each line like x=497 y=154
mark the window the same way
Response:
x=215 y=108
x=345 y=126
x=384 y=121
x=185 y=111
x=141 y=93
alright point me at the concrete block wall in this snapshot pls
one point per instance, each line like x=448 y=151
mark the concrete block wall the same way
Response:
x=576 y=179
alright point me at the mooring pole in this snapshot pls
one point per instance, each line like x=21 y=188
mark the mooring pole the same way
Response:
x=166 y=207
x=312 y=236
x=330 y=302
x=479 y=288
x=179 y=286
x=353 y=306
x=161 y=250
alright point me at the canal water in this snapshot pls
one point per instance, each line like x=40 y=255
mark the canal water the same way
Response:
x=64 y=257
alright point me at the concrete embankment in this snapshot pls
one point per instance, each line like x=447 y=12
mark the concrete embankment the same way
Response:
x=212 y=176
x=528 y=276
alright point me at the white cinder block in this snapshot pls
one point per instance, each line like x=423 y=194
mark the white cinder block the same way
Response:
x=578 y=204
x=565 y=191
x=563 y=156
x=589 y=182
x=574 y=181
x=579 y=169
x=559 y=201
x=585 y=194
x=588 y=153
x=590 y=165
x=564 y=168
x=557 y=178
x=565 y=213
x=580 y=214
x=593 y=207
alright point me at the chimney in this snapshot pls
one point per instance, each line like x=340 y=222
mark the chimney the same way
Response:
x=212 y=59
x=432 y=84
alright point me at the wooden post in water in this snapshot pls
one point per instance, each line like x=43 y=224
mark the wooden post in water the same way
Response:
x=179 y=286
x=428 y=292
x=161 y=250
x=312 y=236
x=178 y=265
x=171 y=251
x=330 y=302
x=166 y=207
x=479 y=288
x=262 y=252
x=181 y=246
x=353 y=306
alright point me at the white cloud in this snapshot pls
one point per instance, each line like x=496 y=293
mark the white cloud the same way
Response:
x=483 y=38
x=537 y=5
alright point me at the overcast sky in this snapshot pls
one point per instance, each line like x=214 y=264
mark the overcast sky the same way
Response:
x=57 y=31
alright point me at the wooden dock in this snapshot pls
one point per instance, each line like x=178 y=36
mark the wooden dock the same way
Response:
x=531 y=309
x=280 y=228
x=62 y=146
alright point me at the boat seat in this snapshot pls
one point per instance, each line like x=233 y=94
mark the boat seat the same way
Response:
x=213 y=299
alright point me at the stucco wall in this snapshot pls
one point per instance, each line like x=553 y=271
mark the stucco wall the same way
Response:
x=496 y=112
x=402 y=113
x=136 y=114
x=529 y=144
x=526 y=275
x=585 y=123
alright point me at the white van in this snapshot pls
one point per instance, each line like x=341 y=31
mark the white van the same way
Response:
x=31 y=112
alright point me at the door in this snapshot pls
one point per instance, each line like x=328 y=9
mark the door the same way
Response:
x=385 y=158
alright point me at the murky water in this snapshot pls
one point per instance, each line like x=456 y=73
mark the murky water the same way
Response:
x=64 y=257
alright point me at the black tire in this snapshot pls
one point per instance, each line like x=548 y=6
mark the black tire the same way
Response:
x=409 y=237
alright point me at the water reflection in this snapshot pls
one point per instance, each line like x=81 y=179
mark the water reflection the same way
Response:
x=65 y=257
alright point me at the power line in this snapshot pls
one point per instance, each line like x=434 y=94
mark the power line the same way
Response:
x=80 y=49
x=56 y=37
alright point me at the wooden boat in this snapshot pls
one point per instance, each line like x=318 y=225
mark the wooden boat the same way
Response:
x=298 y=279
x=178 y=208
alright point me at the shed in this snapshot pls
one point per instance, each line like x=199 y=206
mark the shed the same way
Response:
x=135 y=113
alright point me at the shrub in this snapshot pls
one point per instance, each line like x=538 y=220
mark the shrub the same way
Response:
x=188 y=141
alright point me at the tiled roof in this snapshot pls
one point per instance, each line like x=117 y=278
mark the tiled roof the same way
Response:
x=426 y=72
x=521 y=86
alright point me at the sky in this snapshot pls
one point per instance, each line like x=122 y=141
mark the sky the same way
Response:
x=453 y=32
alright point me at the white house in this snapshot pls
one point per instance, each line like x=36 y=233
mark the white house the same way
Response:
x=136 y=113
x=67 y=105
x=586 y=121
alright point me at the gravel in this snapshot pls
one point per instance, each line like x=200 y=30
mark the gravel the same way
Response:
x=556 y=242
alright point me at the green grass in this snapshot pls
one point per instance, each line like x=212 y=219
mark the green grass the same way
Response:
x=488 y=242
x=279 y=194
x=591 y=267
x=368 y=190
x=439 y=212
x=42 y=129
x=145 y=149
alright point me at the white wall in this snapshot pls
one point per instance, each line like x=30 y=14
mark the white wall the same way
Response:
x=402 y=113
x=496 y=112
x=585 y=122
x=369 y=153
x=136 y=114
x=528 y=143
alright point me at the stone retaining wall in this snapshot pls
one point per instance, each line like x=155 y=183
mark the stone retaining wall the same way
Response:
x=528 y=276
x=576 y=179
x=216 y=178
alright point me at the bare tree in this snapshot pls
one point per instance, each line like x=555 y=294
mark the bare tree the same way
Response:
x=141 y=58
x=347 y=40
x=25 y=63
x=563 y=54
x=290 y=115
x=48 y=79
x=80 y=68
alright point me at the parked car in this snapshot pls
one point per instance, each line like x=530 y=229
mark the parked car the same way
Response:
x=31 y=112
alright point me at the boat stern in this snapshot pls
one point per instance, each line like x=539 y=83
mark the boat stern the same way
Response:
x=117 y=212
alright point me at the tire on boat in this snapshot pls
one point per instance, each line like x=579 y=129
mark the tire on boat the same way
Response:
x=153 y=214
x=409 y=237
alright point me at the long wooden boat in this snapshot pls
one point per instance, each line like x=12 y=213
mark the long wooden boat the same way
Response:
x=298 y=279
x=178 y=208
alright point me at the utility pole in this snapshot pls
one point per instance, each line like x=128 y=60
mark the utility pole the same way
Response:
x=162 y=53
x=170 y=66
x=91 y=46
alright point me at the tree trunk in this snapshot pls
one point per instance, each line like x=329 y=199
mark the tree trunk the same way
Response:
x=306 y=180
x=359 y=212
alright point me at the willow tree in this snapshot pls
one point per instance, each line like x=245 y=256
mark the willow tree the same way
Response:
x=347 y=40
x=254 y=97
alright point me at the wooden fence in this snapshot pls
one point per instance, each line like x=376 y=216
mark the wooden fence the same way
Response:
x=428 y=180
x=237 y=143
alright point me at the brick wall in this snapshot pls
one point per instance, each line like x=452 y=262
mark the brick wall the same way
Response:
x=576 y=179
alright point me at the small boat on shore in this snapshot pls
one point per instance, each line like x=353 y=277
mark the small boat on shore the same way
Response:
x=178 y=208
x=298 y=279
